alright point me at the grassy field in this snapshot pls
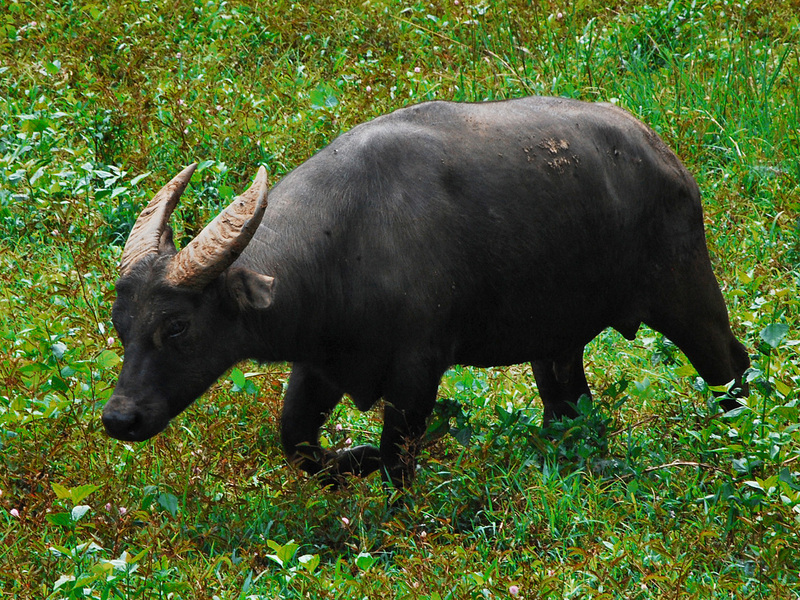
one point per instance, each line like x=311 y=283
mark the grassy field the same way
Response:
x=99 y=106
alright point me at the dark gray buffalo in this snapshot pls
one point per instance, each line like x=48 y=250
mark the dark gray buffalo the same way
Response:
x=477 y=234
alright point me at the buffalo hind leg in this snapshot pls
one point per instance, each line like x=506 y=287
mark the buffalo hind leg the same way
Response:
x=308 y=402
x=692 y=314
x=561 y=383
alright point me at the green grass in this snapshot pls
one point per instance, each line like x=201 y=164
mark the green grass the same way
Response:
x=648 y=494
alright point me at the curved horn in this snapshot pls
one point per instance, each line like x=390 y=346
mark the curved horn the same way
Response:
x=153 y=221
x=222 y=240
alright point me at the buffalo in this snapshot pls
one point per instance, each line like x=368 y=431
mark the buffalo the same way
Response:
x=443 y=233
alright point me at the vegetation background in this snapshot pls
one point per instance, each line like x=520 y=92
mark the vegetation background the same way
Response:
x=648 y=494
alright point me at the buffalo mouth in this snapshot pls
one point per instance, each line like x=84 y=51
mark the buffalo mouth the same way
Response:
x=123 y=420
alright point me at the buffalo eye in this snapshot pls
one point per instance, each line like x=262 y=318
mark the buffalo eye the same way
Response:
x=175 y=328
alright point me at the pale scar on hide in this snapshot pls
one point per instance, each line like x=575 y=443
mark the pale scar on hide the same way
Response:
x=554 y=146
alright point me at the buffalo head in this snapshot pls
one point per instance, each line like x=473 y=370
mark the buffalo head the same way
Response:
x=173 y=307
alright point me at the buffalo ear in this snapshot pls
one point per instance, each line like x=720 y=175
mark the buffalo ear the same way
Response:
x=248 y=289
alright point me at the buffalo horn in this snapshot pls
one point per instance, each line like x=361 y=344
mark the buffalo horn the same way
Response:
x=153 y=221
x=222 y=240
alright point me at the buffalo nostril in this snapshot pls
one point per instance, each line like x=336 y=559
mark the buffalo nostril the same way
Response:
x=120 y=424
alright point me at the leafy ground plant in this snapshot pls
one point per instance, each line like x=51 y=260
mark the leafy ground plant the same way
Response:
x=650 y=493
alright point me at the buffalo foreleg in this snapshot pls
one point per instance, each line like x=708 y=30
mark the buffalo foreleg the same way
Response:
x=309 y=400
x=561 y=383
x=409 y=402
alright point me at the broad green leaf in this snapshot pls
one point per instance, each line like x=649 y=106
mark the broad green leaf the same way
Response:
x=59 y=349
x=238 y=379
x=276 y=558
x=35 y=177
x=121 y=563
x=437 y=427
x=62 y=580
x=323 y=97
x=82 y=491
x=59 y=385
x=107 y=359
x=720 y=389
x=287 y=551
x=478 y=578
x=61 y=492
x=35 y=125
x=103 y=567
x=176 y=586
x=365 y=560
x=168 y=502
x=137 y=557
x=769 y=483
x=138 y=178
x=62 y=550
x=118 y=191
x=241 y=383
x=79 y=511
x=774 y=333
x=226 y=192
x=89 y=548
x=62 y=519
x=463 y=435
x=309 y=561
